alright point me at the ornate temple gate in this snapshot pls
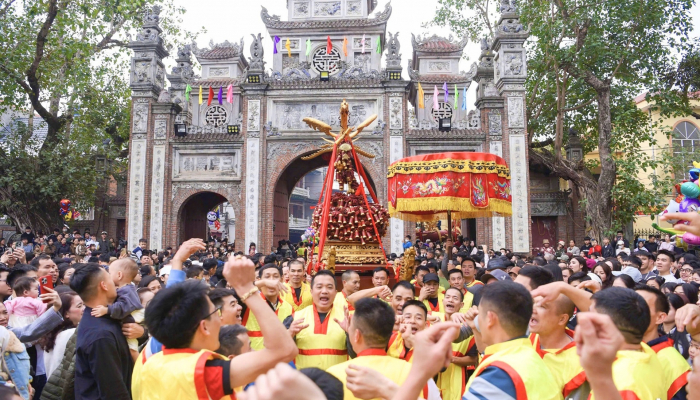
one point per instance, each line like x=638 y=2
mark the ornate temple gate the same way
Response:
x=256 y=168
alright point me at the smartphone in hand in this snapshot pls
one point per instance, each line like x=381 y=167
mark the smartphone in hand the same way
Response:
x=45 y=281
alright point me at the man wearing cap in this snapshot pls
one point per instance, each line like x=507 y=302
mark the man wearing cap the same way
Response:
x=103 y=243
x=622 y=248
x=561 y=250
x=546 y=248
x=430 y=293
x=631 y=271
x=495 y=276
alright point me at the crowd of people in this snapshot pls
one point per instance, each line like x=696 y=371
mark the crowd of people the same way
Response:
x=204 y=321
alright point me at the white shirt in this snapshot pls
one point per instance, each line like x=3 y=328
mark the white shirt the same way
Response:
x=671 y=278
x=53 y=358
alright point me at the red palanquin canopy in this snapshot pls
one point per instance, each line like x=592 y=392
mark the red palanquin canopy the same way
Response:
x=470 y=185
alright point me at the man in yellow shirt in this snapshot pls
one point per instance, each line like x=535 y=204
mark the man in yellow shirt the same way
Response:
x=637 y=371
x=321 y=342
x=269 y=281
x=431 y=295
x=510 y=367
x=555 y=344
x=469 y=272
x=380 y=277
x=413 y=319
x=453 y=379
x=674 y=365
x=299 y=294
x=456 y=279
x=188 y=324
x=351 y=284
x=369 y=332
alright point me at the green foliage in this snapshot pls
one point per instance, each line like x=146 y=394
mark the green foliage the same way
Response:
x=67 y=61
x=579 y=53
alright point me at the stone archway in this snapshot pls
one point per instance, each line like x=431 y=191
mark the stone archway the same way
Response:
x=192 y=218
x=286 y=182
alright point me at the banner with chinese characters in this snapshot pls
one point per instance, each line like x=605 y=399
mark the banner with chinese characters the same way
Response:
x=470 y=185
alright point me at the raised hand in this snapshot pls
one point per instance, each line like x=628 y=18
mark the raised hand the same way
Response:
x=692 y=217
x=591 y=285
x=51 y=297
x=433 y=348
x=384 y=292
x=297 y=326
x=188 y=248
x=550 y=291
x=240 y=274
x=366 y=383
x=597 y=342
x=688 y=319
x=282 y=383
x=345 y=324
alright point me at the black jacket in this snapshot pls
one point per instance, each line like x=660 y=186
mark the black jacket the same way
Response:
x=103 y=363
x=608 y=251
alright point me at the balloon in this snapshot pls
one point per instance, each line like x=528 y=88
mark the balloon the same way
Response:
x=211 y=216
x=673 y=207
x=690 y=190
x=694 y=173
x=65 y=207
x=689 y=205
x=691 y=239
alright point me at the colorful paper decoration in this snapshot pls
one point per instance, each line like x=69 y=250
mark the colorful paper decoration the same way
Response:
x=436 y=105
x=363 y=43
x=447 y=92
x=275 y=41
x=229 y=94
x=456 y=105
x=379 y=45
x=288 y=46
x=188 y=89
x=211 y=96
x=220 y=96
x=421 y=96
x=329 y=45
x=308 y=47
x=200 y=94
x=345 y=46
x=464 y=100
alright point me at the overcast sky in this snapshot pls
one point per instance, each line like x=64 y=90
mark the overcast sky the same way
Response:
x=232 y=19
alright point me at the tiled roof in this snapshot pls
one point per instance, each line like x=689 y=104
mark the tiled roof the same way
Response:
x=274 y=21
x=452 y=134
x=41 y=129
x=215 y=83
x=208 y=137
x=440 y=79
x=220 y=53
x=437 y=44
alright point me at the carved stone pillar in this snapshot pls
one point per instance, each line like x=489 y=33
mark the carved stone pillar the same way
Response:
x=147 y=80
x=182 y=75
x=510 y=67
x=490 y=105
x=164 y=116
